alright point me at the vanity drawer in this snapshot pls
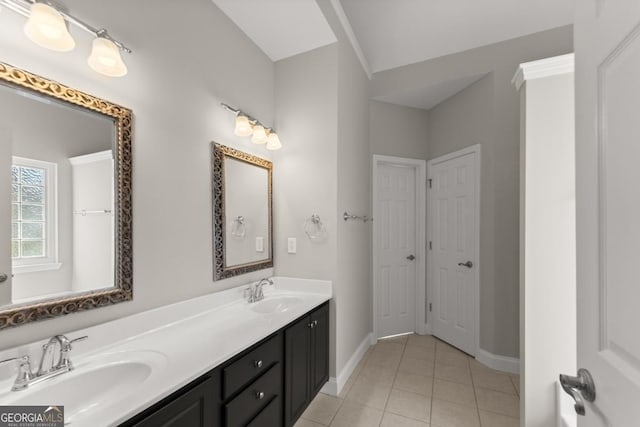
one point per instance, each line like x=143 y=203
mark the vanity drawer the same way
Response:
x=251 y=365
x=270 y=416
x=250 y=402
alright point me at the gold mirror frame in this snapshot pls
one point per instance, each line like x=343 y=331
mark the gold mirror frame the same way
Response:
x=220 y=270
x=123 y=291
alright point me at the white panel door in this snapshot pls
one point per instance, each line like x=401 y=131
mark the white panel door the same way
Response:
x=396 y=234
x=452 y=204
x=607 y=42
x=5 y=215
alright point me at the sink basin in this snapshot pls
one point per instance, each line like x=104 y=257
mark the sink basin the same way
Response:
x=280 y=304
x=101 y=381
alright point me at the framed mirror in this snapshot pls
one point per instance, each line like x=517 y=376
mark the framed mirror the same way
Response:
x=65 y=200
x=242 y=212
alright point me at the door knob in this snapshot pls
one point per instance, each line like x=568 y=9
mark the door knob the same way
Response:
x=411 y=257
x=580 y=387
x=3 y=277
x=467 y=264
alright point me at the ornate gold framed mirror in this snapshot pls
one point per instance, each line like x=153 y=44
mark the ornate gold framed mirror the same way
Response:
x=66 y=201
x=242 y=212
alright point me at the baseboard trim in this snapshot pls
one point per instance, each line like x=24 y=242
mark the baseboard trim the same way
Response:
x=499 y=363
x=334 y=386
x=331 y=387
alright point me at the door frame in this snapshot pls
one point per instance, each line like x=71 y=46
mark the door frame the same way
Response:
x=475 y=150
x=420 y=168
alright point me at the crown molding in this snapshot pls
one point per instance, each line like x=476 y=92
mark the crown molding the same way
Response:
x=556 y=65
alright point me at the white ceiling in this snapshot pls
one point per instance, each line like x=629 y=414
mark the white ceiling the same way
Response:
x=430 y=96
x=281 y=28
x=391 y=33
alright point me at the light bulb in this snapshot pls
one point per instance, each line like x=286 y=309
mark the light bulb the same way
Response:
x=273 y=142
x=47 y=28
x=105 y=58
x=243 y=126
x=259 y=135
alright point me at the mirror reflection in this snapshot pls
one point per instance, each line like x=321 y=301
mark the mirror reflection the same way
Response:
x=57 y=197
x=246 y=212
x=242 y=212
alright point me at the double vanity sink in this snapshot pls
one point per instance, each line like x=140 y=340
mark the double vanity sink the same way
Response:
x=130 y=364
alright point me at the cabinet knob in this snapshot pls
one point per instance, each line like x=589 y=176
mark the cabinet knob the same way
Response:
x=258 y=363
x=315 y=323
x=260 y=395
x=311 y=325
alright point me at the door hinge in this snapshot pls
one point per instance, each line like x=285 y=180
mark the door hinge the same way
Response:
x=430 y=246
x=430 y=307
x=429 y=182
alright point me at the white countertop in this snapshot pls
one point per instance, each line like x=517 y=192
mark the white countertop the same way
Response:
x=180 y=343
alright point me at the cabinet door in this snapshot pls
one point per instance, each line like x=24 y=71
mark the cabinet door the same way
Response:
x=194 y=408
x=319 y=349
x=297 y=369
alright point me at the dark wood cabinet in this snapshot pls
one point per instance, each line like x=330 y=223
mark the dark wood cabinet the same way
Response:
x=306 y=361
x=268 y=385
x=319 y=349
x=195 y=405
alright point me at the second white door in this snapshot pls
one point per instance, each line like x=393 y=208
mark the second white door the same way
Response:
x=453 y=239
x=396 y=235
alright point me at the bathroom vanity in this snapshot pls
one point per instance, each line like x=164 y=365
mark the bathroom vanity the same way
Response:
x=216 y=360
x=269 y=384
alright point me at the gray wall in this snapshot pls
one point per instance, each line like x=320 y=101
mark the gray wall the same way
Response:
x=175 y=83
x=306 y=168
x=353 y=281
x=399 y=131
x=322 y=106
x=485 y=113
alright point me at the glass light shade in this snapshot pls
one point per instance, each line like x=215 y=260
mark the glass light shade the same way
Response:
x=105 y=58
x=47 y=28
x=273 y=142
x=243 y=126
x=259 y=135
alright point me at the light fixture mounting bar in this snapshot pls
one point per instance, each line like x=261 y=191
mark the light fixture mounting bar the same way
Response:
x=252 y=119
x=23 y=8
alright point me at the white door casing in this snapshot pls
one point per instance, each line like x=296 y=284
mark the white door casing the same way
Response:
x=399 y=233
x=607 y=43
x=453 y=217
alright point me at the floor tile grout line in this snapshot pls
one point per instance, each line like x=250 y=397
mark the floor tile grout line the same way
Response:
x=433 y=382
x=475 y=395
x=395 y=375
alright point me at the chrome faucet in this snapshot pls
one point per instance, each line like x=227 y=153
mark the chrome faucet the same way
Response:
x=26 y=377
x=256 y=293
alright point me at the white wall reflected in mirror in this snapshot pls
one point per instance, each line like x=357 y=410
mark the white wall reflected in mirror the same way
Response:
x=56 y=198
x=246 y=193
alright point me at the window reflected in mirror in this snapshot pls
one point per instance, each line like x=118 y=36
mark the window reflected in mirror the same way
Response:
x=65 y=199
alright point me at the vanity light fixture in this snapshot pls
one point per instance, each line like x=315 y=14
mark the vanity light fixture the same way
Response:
x=105 y=56
x=250 y=126
x=47 y=27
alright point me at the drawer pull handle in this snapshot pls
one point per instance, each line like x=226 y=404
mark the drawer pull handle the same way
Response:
x=260 y=395
x=258 y=363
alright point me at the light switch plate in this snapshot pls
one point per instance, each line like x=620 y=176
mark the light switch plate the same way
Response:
x=291 y=245
x=259 y=244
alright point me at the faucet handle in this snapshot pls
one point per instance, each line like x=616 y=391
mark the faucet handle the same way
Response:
x=24 y=372
x=22 y=359
x=77 y=340
x=65 y=348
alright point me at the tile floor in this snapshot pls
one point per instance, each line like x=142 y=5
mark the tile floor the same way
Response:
x=417 y=381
